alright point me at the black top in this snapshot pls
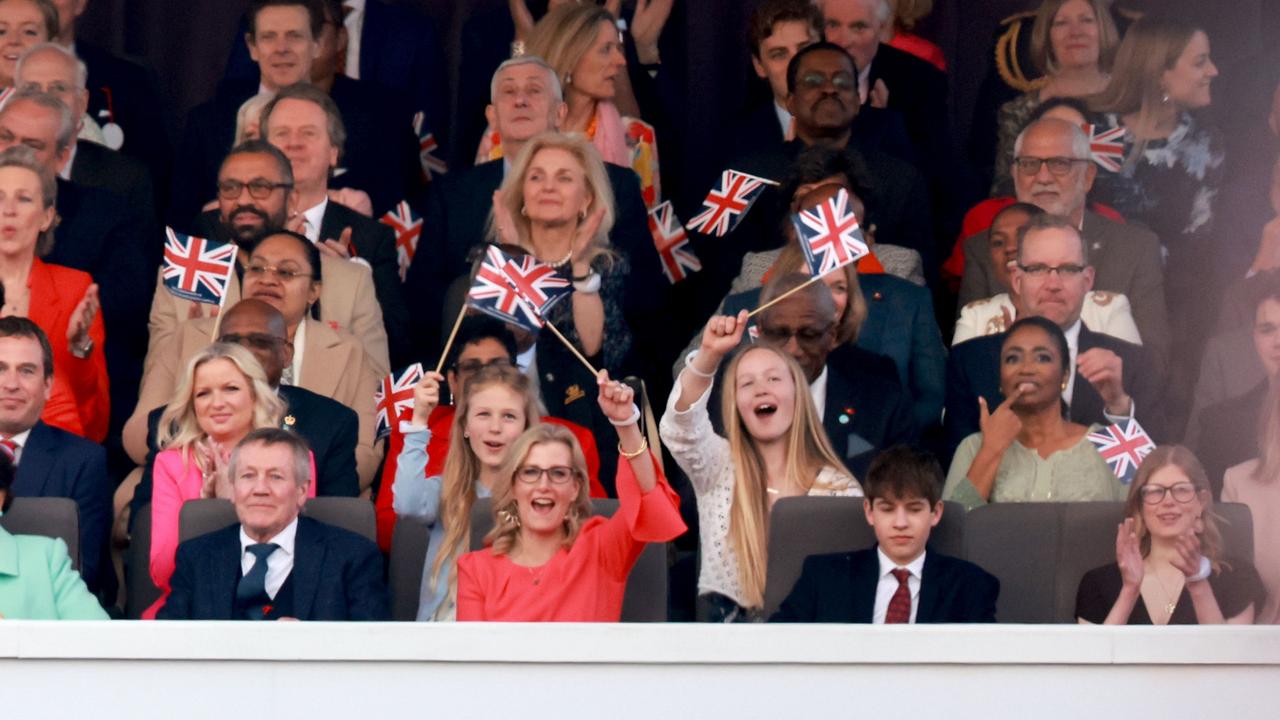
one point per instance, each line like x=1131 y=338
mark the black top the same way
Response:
x=1236 y=587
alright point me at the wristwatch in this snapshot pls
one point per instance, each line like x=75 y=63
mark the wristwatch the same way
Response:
x=82 y=351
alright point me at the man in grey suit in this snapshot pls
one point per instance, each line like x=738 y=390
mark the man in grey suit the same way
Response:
x=1053 y=170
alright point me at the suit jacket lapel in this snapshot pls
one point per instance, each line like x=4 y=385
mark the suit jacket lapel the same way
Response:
x=930 y=589
x=36 y=466
x=1086 y=403
x=331 y=225
x=224 y=575
x=838 y=392
x=308 y=558
x=866 y=575
x=318 y=374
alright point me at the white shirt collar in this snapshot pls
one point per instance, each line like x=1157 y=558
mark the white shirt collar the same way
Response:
x=314 y=217
x=784 y=117
x=21 y=438
x=285 y=538
x=65 y=172
x=1073 y=344
x=353 y=21
x=864 y=83
x=915 y=567
x=818 y=391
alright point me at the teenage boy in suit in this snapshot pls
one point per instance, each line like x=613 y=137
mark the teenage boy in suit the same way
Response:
x=899 y=580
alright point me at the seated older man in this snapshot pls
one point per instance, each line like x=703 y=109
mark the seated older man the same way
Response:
x=1113 y=380
x=275 y=564
x=1052 y=170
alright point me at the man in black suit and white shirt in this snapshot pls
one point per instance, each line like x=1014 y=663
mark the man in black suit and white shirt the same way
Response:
x=1113 y=380
x=306 y=125
x=899 y=580
x=275 y=564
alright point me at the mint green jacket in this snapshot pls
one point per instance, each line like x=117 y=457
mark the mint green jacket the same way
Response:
x=37 y=581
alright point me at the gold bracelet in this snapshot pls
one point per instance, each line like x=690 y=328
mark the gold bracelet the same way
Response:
x=644 y=446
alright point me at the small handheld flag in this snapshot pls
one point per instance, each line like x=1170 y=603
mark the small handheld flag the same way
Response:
x=1106 y=146
x=427 y=148
x=518 y=293
x=407 y=226
x=672 y=243
x=393 y=396
x=196 y=268
x=1123 y=446
x=829 y=234
x=727 y=203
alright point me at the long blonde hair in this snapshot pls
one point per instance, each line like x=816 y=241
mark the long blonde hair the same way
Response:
x=179 y=428
x=564 y=36
x=808 y=453
x=594 y=175
x=1183 y=459
x=506 y=515
x=462 y=467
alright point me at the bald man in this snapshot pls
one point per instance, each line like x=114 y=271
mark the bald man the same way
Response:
x=329 y=427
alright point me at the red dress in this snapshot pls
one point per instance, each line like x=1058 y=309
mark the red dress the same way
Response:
x=440 y=423
x=582 y=584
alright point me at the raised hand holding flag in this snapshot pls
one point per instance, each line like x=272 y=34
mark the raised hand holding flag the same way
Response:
x=1123 y=446
x=727 y=203
x=672 y=242
x=1106 y=146
x=407 y=226
x=394 y=395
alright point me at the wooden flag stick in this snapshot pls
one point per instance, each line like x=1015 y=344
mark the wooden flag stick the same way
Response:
x=217 y=315
x=572 y=349
x=448 y=345
x=795 y=289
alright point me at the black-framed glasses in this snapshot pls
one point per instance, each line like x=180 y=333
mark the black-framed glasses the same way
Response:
x=557 y=474
x=1057 y=165
x=1041 y=270
x=1183 y=492
x=841 y=81
x=284 y=274
x=259 y=188
x=471 y=367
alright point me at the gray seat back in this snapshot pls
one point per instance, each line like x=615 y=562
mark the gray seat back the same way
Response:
x=206 y=515
x=55 y=517
x=408 y=553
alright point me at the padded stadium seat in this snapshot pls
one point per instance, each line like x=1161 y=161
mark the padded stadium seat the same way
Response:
x=408 y=552
x=646 y=596
x=53 y=517
x=205 y=515
x=804 y=526
x=141 y=592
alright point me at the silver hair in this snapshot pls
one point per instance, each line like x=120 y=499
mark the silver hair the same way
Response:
x=299 y=451
x=1079 y=141
x=553 y=80
x=884 y=11
x=66 y=123
x=82 y=70
x=1046 y=221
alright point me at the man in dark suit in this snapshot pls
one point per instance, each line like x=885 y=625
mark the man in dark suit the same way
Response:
x=1113 y=379
x=1227 y=431
x=275 y=564
x=856 y=392
x=1125 y=257
x=380 y=150
x=52 y=462
x=899 y=580
x=53 y=69
x=527 y=102
x=305 y=124
x=96 y=234
x=329 y=427
x=124 y=98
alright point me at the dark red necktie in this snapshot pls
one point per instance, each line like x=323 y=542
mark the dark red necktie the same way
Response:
x=900 y=604
x=9 y=447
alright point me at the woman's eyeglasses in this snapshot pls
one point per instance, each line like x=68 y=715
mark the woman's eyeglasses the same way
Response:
x=1154 y=494
x=283 y=274
x=558 y=475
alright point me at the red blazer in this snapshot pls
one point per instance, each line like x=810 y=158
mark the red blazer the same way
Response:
x=441 y=423
x=79 y=402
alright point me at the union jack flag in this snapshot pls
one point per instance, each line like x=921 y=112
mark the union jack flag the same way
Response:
x=393 y=396
x=1106 y=146
x=1123 y=446
x=515 y=292
x=829 y=235
x=427 y=148
x=197 y=269
x=672 y=243
x=408 y=229
x=5 y=94
x=727 y=203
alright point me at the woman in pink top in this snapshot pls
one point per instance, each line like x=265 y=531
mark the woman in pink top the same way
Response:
x=222 y=396
x=548 y=558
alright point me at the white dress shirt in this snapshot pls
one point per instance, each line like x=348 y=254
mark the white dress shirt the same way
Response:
x=19 y=441
x=784 y=118
x=818 y=391
x=279 y=562
x=293 y=373
x=888 y=585
x=353 y=21
x=312 y=219
x=864 y=83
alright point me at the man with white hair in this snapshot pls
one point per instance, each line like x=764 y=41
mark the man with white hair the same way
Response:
x=53 y=69
x=526 y=100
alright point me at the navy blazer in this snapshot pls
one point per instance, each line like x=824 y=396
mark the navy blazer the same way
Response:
x=56 y=463
x=866 y=410
x=125 y=176
x=973 y=370
x=380 y=155
x=126 y=93
x=841 y=588
x=1229 y=434
x=337 y=576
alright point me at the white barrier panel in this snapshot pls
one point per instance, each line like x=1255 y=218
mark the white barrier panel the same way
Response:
x=383 y=671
